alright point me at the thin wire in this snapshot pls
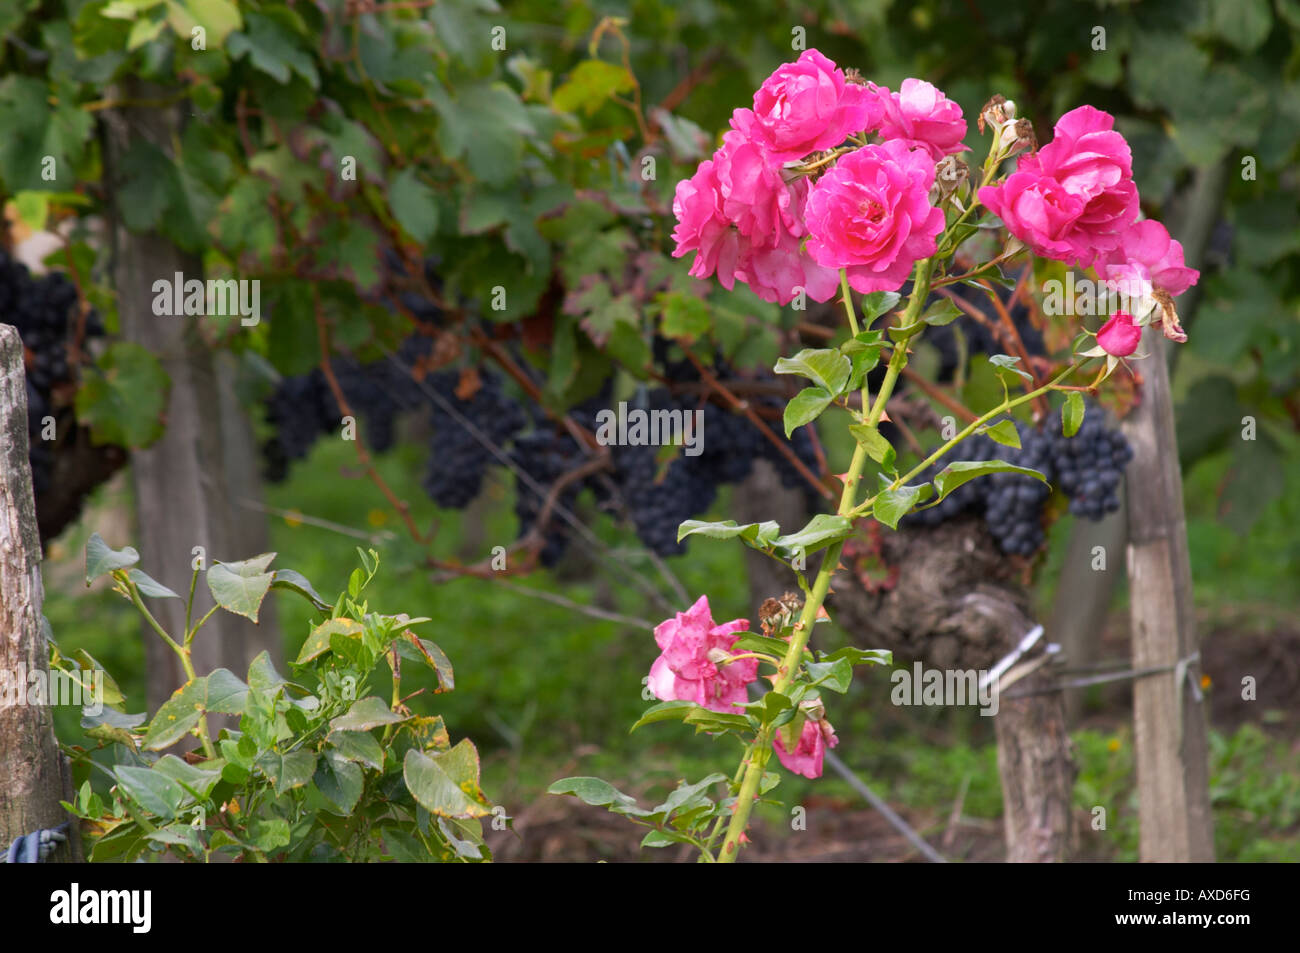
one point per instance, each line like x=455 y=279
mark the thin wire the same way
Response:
x=564 y=512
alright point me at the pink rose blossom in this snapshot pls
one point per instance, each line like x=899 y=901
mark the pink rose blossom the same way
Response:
x=871 y=214
x=922 y=116
x=703 y=228
x=1120 y=335
x=754 y=196
x=806 y=759
x=805 y=107
x=684 y=671
x=775 y=273
x=1073 y=199
x=1146 y=258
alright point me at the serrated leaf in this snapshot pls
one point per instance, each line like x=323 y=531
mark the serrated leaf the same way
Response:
x=598 y=793
x=1005 y=362
x=664 y=711
x=590 y=84
x=833 y=674
x=359 y=746
x=287 y=771
x=318 y=642
x=891 y=505
x=1003 y=432
x=877 y=303
x=447 y=784
x=414 y=205
x=101 y=560
x=240 y=587
x=297 y=582
x=955 y=474
x=149 y=586
x=877 y=447
x=826 y=368
x=805 y=407
x=822 y=530
x=1072 y=412
x=339 y=780
x=155 y=792
x=123 y=396
x=366 y=713
x=942 y=312
x=758 y=535
x=687 y=796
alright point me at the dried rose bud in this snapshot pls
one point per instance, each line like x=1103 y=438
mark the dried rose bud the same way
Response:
x=996 y=112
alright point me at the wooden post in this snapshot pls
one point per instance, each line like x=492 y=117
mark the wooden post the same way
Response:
x=187 y=485
x=33 y=773
x=1168 y=722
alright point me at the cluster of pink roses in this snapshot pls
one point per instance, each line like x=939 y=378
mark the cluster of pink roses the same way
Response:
x=748 y=218
x=695 y=665
x=752 y=214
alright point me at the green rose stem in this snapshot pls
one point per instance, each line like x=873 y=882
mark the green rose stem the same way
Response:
x=757 y=754
x=182 y=652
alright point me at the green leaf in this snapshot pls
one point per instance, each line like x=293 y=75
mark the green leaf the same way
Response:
x=262 y=676
x=272 y=47
x=1072 y=413
x=877 y=303
x=219 y=18
x=834 y=674
x=177 y=716
x=822 y=530
x=892 y=505
x=682 y=316
x=359 y=746
x=240 y=587
x=297 y=582
x=1005 y=362
x=857 y=656
x=269 y=834
x=757 y=535
x=706 y=719
x=149 y=586
x=367 y=713
x=1003 y=432
x=773 y=708
x=411 y=646
x=339 y=780
x=826 y=368
x=155 y=792
x=198 y=781
x=446 y=784
x=101 y=560
x=287 y=771
x=486 y=124
x=942 y=312
x=752 y=642
x=664 y=711
x=687 y=796
x=224 y=693
x=414 y=205
x=805 y=407
x=955 y=474
x=877 y=447
x=591 y=83
x=598 y=793
x=123 y=397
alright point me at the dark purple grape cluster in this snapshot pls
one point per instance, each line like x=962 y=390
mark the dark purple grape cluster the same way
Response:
x=1087 y=467
x=459 y=455
x=42 y=309
x=1090 y=465
x=545 y=455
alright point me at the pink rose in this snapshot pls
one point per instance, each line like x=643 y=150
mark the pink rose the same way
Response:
x=775 y=274
x=1073 y=199
x=806 y=759
x=686 y=669
x=1146 y=258
x=871 y=214
x=754 y=196
x=922 y=116
x=805 y=107
x=1120 y=335
x=703 y=228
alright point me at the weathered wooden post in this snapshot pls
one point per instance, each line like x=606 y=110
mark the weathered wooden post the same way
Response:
x=33 y=773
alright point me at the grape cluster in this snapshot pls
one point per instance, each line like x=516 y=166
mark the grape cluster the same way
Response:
x=458 y=457
x=1087 y=467
x=40 y=309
